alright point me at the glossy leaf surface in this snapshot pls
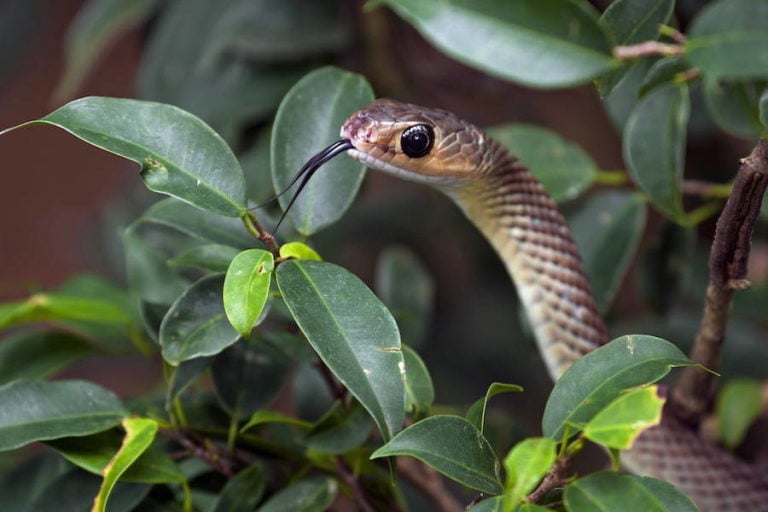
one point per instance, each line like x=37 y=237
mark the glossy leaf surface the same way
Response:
x=618 y=425
x=614 y=491
x=308 y=495
x=420 y=393
x=525 y=465
x=246 y=288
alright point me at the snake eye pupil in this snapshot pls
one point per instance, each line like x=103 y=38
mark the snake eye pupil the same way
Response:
x=417 y=140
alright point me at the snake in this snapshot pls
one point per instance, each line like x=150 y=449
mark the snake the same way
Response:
x=507 y=203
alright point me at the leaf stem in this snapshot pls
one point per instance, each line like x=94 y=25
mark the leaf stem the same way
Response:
x=648 y=49
x=611 y=178
x=255 y=228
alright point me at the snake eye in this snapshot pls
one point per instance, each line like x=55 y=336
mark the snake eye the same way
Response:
x=417 y=140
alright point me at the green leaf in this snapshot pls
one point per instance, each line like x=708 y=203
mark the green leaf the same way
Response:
x=308 y=120
x=341 y=430
x=248 y=375
x=563 y=168
x=620 y=422
x=420 y=393
x=148 y=273
x=452 y=446
x=38 y=354
x=246 y=288
x=22 y=482
x=764 y=108
x=492 y=504
x=406 y=287
x=663 y=71
x=526 y=464
x=729 y=39
x=621 y=101
x=196 y=324
x=36 y=411
x=92 y=453
x=243 y=492
x=734 y=106
x=539 y=43
x=476 y=412
x=262 y=417
x=738 y=406
x=52 y=307
x=139 y=434
x=179 y=154
x=75 y=491
x=98 y=23
x=352 y=332
x=632 y=22
x=628 y=493
x=181 y=376
x=210 y=257
x=599 y=377
x=654 y=146
x=299 y=250
x=308 y=495
x=607 y=228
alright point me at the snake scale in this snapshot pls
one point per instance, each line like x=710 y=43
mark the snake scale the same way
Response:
x=522 y=222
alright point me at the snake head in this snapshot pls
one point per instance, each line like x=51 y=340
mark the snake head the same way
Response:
x=416 y=143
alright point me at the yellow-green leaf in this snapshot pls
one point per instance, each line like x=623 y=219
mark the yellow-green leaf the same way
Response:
x=246 y=288
x=300 y=251
x=526 y=464
x=618 y=425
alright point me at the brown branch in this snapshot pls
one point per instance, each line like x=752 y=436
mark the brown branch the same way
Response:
x=361 y=498
x=203 y=449
x=557 y=477
x=256 y=229
x=429 y=483
x=693 y=392
x=647 y=49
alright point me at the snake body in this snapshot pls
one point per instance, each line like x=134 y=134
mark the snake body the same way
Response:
x=514 y=212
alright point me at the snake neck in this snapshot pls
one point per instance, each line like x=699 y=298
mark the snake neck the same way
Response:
x=522 y=222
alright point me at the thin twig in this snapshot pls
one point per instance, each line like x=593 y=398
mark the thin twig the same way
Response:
x=203 y=449
x=647 y=49
x=707 y=189
x=557 y=477
x=429 y=483
x=693 y=392
x=253 y=225
x=361 y=498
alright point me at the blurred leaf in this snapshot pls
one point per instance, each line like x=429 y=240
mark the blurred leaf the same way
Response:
x=74 y=492
x=160 y=138
x=476 y=413
x=308 y=120
x=299 y=250
x=738 y=406
x=196 y=324
x=608 y=228
x=628 y=493
x=183 y=375
x=23 y=482
x=341 y=430
x=246 y=288
x=92 y=453
x=632 y=22
x=654 y=146
x=420 y=393
x=52 y=307
x=248 y=375
x=621 y=101
x=97 y=24
x=22 y=23
x=729 y=39
x=667 y=266
x=599 y=377
x=764 y=108
x=453 y=447
x=734 y=106
x=199 y=223
x=139 y=434
x=620 y=422
x=309 y=495
x=406 y=287
x=38 y=354
x=242 y=492
x=263 y=416
x=210 y=257
x=663 y=71
x=525 y=465
x=539 y=43
x=490 y=504
x=148 y=273
x=352 y=332
x=563 y=168
x=36 y=411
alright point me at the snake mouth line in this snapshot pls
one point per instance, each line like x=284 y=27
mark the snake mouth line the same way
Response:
x=382 y=165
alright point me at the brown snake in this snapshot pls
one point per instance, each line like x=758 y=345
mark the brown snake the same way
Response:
x=508 y=204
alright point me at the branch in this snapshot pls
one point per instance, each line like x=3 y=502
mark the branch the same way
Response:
x=728 y=258
x=254 y=227
x=557 y=477
x=647 y=49
x=429 y=483
x=203 y=449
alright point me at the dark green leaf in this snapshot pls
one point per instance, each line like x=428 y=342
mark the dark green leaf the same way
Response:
x=663 y=71
x=148 y=273
x=36 y=411
x=246 y=288
x=38 y=354
x=248 y=375
x=621 y=101
x=352 y=332
x=526 y=464
x=540 y=43
x=599 y=377
x=406 y=287
x=452 y=446
x=263 y=416
x=308 y=120
x=179 y=155
x=493 y=504
x=734 y=106
x=563 y=168
x=420 y=393
x=341 y=430
x=308 y=495
x=476 y=413
x=211 y=257
x=613 y=491
x=729 y=39
x=607 y=229
x=23 y=482
x=74 y=492
x=243 y=492
x=183 y=375
x=620 y=422
x=98 y=23
x=671 y=497
x=764 y=108
x=738 y=405
x=196 y=324
x=654 y=146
